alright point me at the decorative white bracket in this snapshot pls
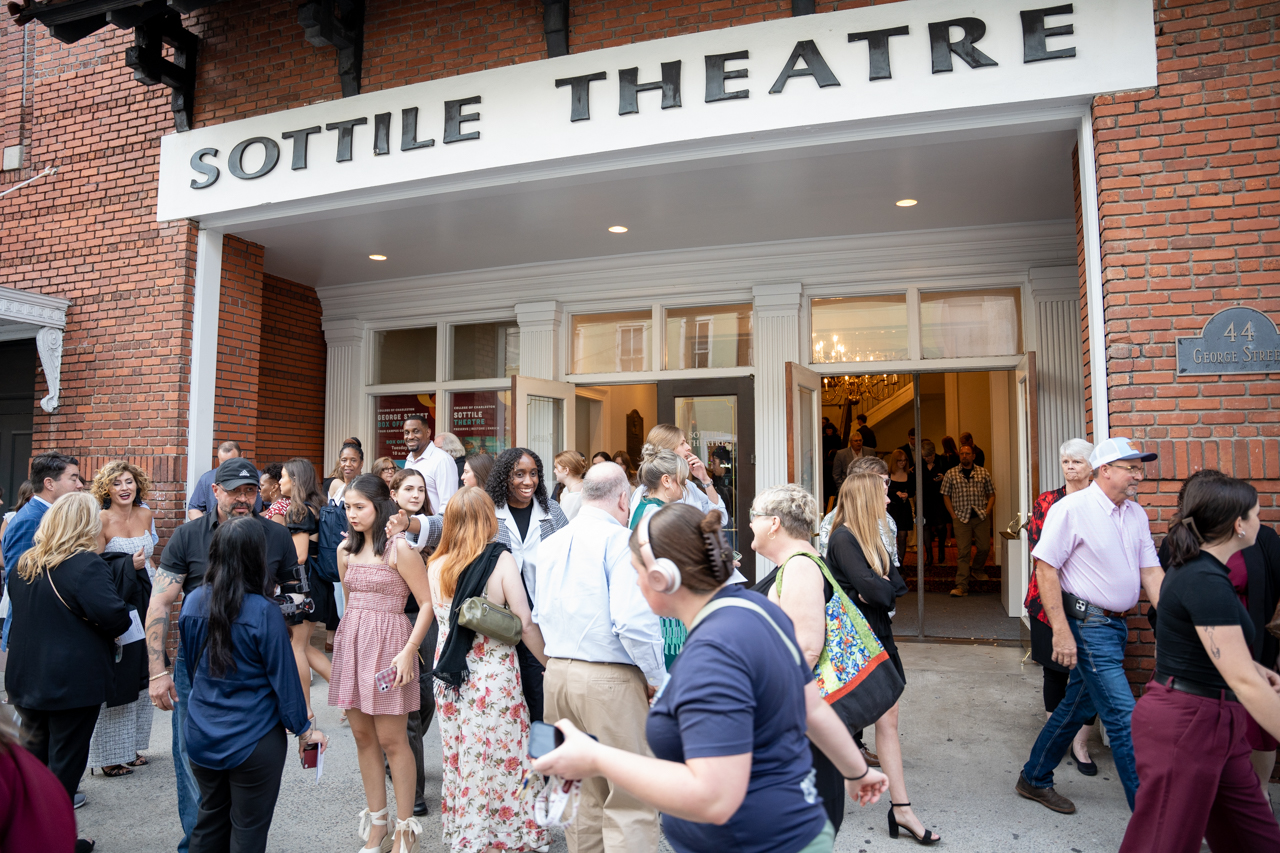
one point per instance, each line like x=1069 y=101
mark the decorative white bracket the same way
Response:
x=25 y=315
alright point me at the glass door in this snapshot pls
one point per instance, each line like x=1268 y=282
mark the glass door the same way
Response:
x=545 y=416
x=804 y=407
x=718 y=417
x=1027 y=480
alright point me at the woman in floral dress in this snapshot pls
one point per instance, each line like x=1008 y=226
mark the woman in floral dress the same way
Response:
x=484 y=722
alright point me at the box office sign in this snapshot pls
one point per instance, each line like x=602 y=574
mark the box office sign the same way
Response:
x=389 y=414
x=688 y=95
x=1236 y=340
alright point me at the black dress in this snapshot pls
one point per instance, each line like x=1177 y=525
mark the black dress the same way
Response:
x=900 y=495
x=874 y=595
x=134 y=587
x=321 y=590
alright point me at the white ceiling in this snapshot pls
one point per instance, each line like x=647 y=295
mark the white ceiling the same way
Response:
x=799 y=193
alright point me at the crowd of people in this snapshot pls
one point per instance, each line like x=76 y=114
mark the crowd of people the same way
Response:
x=685 y=703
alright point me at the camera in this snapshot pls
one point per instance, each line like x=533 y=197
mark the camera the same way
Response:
x=297 y=598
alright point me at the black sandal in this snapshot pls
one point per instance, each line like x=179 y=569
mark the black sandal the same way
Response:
x=85 y=845
x=114 y=771
x=140 y=761
x=894 y=826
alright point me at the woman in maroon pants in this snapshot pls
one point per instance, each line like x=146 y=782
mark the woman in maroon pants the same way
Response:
x=1189 y=728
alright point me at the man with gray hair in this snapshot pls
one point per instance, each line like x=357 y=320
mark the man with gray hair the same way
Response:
x=604 y=650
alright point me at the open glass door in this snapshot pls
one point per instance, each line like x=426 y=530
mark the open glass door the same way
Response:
x=1027 y=479
x=804 y=406
x=545 y=416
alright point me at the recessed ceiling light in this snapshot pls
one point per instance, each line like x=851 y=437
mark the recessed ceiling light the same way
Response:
x=907 y=202
x=377 y=257
x=618 y=229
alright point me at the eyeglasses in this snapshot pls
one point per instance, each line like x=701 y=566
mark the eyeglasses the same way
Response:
x=1135 y=470
x=753 y=515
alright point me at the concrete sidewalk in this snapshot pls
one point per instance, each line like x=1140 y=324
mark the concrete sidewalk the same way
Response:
x=969 y=716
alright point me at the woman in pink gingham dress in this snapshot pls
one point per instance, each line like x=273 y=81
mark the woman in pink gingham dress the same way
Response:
x=379 y=574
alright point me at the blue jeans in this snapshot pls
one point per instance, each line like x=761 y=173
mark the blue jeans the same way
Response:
x=188 y=788
x=1097 y=685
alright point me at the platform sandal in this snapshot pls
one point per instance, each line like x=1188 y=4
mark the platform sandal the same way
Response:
x=894 y=826
x=368 y=820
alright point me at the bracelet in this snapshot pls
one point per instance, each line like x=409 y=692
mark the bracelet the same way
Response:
x=159 y=675
x=856 y=778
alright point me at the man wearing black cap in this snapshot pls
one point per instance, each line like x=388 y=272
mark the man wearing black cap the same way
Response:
x=182 y=568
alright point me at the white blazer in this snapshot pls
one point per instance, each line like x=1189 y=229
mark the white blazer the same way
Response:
x=542 y=523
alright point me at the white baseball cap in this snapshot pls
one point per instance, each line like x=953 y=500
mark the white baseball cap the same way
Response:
x=1115 y=449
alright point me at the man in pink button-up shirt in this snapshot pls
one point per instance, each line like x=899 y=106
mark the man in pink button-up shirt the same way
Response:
x=1096 y=546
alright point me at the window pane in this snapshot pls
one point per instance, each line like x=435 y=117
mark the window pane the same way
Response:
x=612 y=343
x=860 y=328
x=479 y=420
x=390 y=410
x=805 y=445
x=711 y=425
x=405 y=355
x=486 y=351
x=708 y=336
x=971 y=323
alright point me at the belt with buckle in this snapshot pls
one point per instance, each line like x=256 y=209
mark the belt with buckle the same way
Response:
x=1110 y=614
x=1195 y=688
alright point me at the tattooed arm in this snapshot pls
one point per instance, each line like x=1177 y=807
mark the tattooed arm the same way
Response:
x=1254 y=685
x=165 y=590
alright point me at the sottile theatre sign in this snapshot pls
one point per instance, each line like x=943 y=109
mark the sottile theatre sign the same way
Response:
x=816 y=76
x=1235 y=340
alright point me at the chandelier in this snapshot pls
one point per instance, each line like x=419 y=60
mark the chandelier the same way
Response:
x=855 y=390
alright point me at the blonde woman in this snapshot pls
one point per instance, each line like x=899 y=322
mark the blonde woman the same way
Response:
x=861 y=564
x=569 y=468
x=66 y=615
x=124 y=724
x=484 y=724
x=698 y=491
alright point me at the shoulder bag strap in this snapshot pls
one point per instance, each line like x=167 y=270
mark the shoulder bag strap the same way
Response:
x=48 y=573
x=755 y=608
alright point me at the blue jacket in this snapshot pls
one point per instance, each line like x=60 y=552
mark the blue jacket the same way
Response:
x=18 y=537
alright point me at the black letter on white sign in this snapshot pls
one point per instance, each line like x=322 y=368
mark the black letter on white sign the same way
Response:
x=272 y=156
x=382 y=133
x=716 y=76
x=346 y=132
x=209 y=170
x=580 y=94
x=814 y=66
x=409 y=131
x=942 y=45
x=628 y=87
x=1034 y=34
x=300 y=138
x=878 y=48
x=454 y=117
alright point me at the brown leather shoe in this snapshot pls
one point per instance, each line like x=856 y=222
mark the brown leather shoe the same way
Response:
x=1046 y=797
x=872 y=760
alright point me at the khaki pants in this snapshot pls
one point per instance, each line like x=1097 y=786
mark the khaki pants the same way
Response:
x=966 y=533
x=608 y=700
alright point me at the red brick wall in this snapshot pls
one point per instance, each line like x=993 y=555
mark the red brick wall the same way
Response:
x=291 y=377
x=235 y=414
x=88 y=234
x=254 y=59
x=1189 y=183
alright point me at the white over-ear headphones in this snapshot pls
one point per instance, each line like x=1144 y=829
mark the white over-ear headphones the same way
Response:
x=664 y=575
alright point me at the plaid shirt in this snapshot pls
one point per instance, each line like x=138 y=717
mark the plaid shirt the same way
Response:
x=969 y=493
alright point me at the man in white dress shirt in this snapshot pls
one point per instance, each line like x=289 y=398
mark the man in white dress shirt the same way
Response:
x=604 y=646
x=437 y=467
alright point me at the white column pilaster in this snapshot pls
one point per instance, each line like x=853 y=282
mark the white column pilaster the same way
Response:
x=540 y=339
x=344 y=403
x=777 y=330
x=204 y=355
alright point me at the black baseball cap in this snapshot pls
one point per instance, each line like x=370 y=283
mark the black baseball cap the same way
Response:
x=235 y=473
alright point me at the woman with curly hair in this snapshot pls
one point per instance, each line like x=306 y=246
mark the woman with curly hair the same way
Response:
x=526 y=516
x=124 y=723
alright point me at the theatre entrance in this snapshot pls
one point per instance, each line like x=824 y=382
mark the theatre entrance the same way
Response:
x=716 y=414
x=995 y=411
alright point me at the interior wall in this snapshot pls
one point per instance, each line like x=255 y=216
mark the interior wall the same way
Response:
x=973 y=409
x=608 y=420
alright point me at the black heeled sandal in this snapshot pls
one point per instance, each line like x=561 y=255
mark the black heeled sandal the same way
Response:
x=928 y=837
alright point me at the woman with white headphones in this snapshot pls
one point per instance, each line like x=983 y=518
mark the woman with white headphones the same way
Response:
x=728 y=728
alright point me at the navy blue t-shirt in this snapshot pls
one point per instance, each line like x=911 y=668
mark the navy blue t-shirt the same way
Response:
x=735 y=688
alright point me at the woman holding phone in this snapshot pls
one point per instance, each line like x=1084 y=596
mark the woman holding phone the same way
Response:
x=302 y=519
x=244 y=693
x=731 y=767
x=375 y=658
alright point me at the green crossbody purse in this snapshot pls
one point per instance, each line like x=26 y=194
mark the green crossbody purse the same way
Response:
x=493 y=620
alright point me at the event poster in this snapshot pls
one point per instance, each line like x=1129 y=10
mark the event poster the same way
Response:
x=479 y=421
x=392 y=409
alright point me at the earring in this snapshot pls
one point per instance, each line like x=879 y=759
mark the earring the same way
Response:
x=772 y=535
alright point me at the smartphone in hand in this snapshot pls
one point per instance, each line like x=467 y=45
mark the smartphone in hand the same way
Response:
x=543 y=737
x=310 y=753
